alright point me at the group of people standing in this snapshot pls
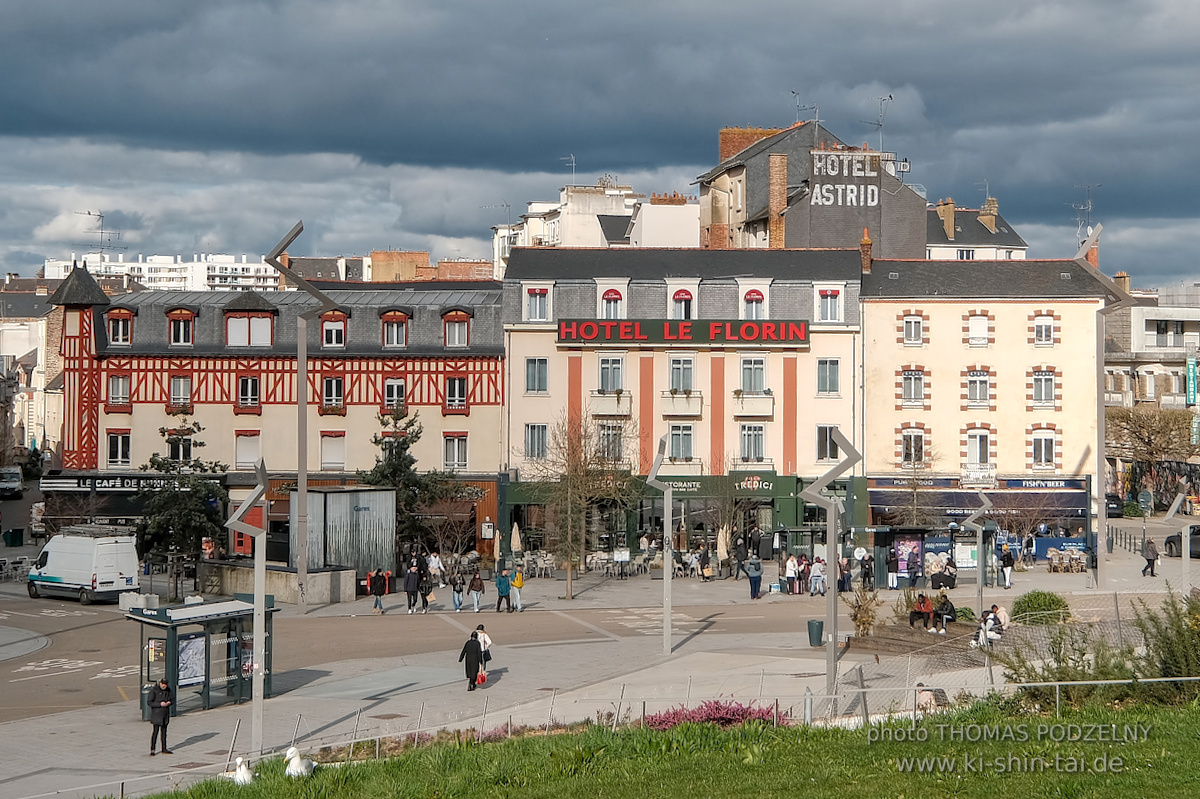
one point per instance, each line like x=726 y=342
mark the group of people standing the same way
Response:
x=422 y=572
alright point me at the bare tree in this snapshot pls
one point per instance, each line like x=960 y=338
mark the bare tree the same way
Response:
x=1150 y=434
x=587 y=468
x=921 y=507
x=451 y=519
x=725 y=510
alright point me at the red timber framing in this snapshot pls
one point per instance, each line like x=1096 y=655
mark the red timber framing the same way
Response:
x=83 y=398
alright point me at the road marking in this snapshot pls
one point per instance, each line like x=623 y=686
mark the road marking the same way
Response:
x=589 y=625
x=456 y=624
x=39 y=676
x=124 y=695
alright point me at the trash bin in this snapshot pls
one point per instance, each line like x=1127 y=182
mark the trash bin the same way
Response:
x=7 y=535
x=16 y=537
x=816 y=632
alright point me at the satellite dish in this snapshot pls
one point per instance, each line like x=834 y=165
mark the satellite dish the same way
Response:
x=1089 y=230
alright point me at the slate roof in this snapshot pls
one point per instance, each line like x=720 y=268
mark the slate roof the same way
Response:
x=23 y=305
x=981 y=279
x=769 y=144
x=615 y=227
x=79 y=288
x=581 y=263
x=969 y=231
x=247 y=301
x=311 y=268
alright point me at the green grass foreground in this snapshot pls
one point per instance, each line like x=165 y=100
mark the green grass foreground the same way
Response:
x=757 y=760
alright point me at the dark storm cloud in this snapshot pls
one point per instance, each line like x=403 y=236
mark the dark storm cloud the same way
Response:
x=391 y=123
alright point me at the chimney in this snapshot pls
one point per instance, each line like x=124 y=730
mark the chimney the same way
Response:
x=1122 y=281
x=776 y=198
x=864 y=249
x=732 y=141
x=987 y=214
x=1093 y=254
x=945 y=210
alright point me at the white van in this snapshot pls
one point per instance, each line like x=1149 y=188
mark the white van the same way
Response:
x=12 y=482
x=86 y=561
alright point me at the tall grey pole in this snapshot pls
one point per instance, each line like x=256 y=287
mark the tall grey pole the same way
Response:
x=972 y=523
x=668 y=549
x=832 y=506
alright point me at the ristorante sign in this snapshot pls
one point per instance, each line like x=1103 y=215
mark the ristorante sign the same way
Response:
x=692 y=332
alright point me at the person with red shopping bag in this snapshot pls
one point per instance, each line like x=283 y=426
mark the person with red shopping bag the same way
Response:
x=472 y=654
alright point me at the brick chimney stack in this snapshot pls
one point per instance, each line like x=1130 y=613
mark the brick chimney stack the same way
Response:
x=945 y=210
x=732 y=141
x=864 y=248
x=777 y=170
x=1093 y=254
x=674 y=198
x=1122 y=281
x=987 y=214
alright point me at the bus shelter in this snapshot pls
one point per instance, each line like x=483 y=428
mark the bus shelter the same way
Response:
x=205 y=650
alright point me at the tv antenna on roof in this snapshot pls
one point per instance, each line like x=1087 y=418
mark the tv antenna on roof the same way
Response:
x=570 y=159
x=816 y=120
x=1083 y=217
x=883 y=101
x=107 y=237
x=503 y=204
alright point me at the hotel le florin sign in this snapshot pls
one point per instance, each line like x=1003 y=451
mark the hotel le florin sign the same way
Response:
x=691 y=332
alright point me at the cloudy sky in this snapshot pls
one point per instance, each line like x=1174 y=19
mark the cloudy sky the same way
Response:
x=213 y=126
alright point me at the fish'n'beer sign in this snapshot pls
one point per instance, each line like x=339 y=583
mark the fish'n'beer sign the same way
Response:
x=845 y=178
x=692 y=332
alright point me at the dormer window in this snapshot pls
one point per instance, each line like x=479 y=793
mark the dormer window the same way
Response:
x=537 y=302
x=181 y=326
x=682 y=300
x=395 y=329
x=457 y=328
x=829 y=304
x=753 y=306
x=333 y=330
x=120 y=327
x=252 y=329
x=611 y=304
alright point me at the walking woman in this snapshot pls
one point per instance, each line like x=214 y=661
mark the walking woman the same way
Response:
x=472 y=654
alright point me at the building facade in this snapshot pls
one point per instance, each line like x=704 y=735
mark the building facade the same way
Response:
x=204 y=272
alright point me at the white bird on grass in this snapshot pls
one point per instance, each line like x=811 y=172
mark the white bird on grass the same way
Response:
x=297 y=766
x=242 y=774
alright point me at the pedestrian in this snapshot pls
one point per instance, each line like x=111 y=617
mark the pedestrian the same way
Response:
x=644 y=543
x=160 y=699
x=843 y=574
x=817 y=578
x=425 y=588
x=412 y=586
x=378 y=585
x=754 y=570
x=1150 y=553
x=867 y=572
x=476 y=589
x=457 y=584
x=1006 y=562
x=485 y=644
x=472 y=653
x=705 y=567
x=503 y=588
x=436 y=570
x=515 y=586
x=803 y=574
x=893 y=569
x=790 y=571
x=739 y=557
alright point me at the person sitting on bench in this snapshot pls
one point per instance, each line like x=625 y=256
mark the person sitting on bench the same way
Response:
x=922 y=610
x=945 y=612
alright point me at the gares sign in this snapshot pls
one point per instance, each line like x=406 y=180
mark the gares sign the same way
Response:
x=695 y=332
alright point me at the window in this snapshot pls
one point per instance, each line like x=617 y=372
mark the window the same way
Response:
x=830 y=305
x=181 y=331
x=966 y=255
x=1043 y=331
x=979 y=388
x=457 y=332
x=1043 y=449
x=977 y=331
x=246 y=450
x=536 y=305
x=611 y=374
x=753 y=442
x=612 y=441
x=912 y=448
x=248 y=392
x=914 y=330
x=248 y=331
x=754 y=375
x=179 y=448
x=181 y=391
x=1178 y=383
x=456 y=452
x=912 y=386
x=681 y=442
x=456 y=392
x=332 y=392
x=393 y=392
x=119 y=328
x=827 y=376
x=118 y=449
x=611 y=304
x=752 y=307
x=682 y=305
x=1043 y=388
x=827 y=448
x=333 y=332
x=537 y=378
x=333 y=452
x=118 y=390
x=535 y=441
x=681 y=374
x=977 y=447
x=395 y=330
x=1168 y=333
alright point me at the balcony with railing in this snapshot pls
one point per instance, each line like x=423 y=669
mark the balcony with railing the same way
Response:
x=978 y=475
x=753 y=404
x=682 y=403
x=747 y=464
x=610 y=403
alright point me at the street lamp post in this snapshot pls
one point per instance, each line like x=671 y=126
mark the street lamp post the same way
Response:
x=668 y=555
x=302 y=320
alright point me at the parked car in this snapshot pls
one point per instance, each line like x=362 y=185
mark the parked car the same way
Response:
x=1114 y=505
x=1173 y=545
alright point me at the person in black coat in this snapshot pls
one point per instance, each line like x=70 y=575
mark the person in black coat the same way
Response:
x=160 y=699
x=472 y=653
x=893 y=568
x=377 y=582
x=412 y=586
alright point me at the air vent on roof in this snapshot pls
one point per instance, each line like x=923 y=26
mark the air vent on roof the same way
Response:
x=1064 y=275
x=893 y=275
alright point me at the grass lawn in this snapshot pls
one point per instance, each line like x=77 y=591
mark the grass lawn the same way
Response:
x=698 y=760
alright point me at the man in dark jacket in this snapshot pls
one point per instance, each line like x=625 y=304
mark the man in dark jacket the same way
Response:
x=944 y=612
x=378 y=585
x=893 y=569
x=739 y=557
x=472 y=654
x=160 y=699
x=412 y=586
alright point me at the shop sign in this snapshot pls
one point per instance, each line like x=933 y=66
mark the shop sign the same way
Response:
x=845 y=179
x=696 y=332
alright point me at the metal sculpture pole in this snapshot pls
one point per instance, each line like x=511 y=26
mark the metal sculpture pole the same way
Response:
x=971 y=524
x=668 y=554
